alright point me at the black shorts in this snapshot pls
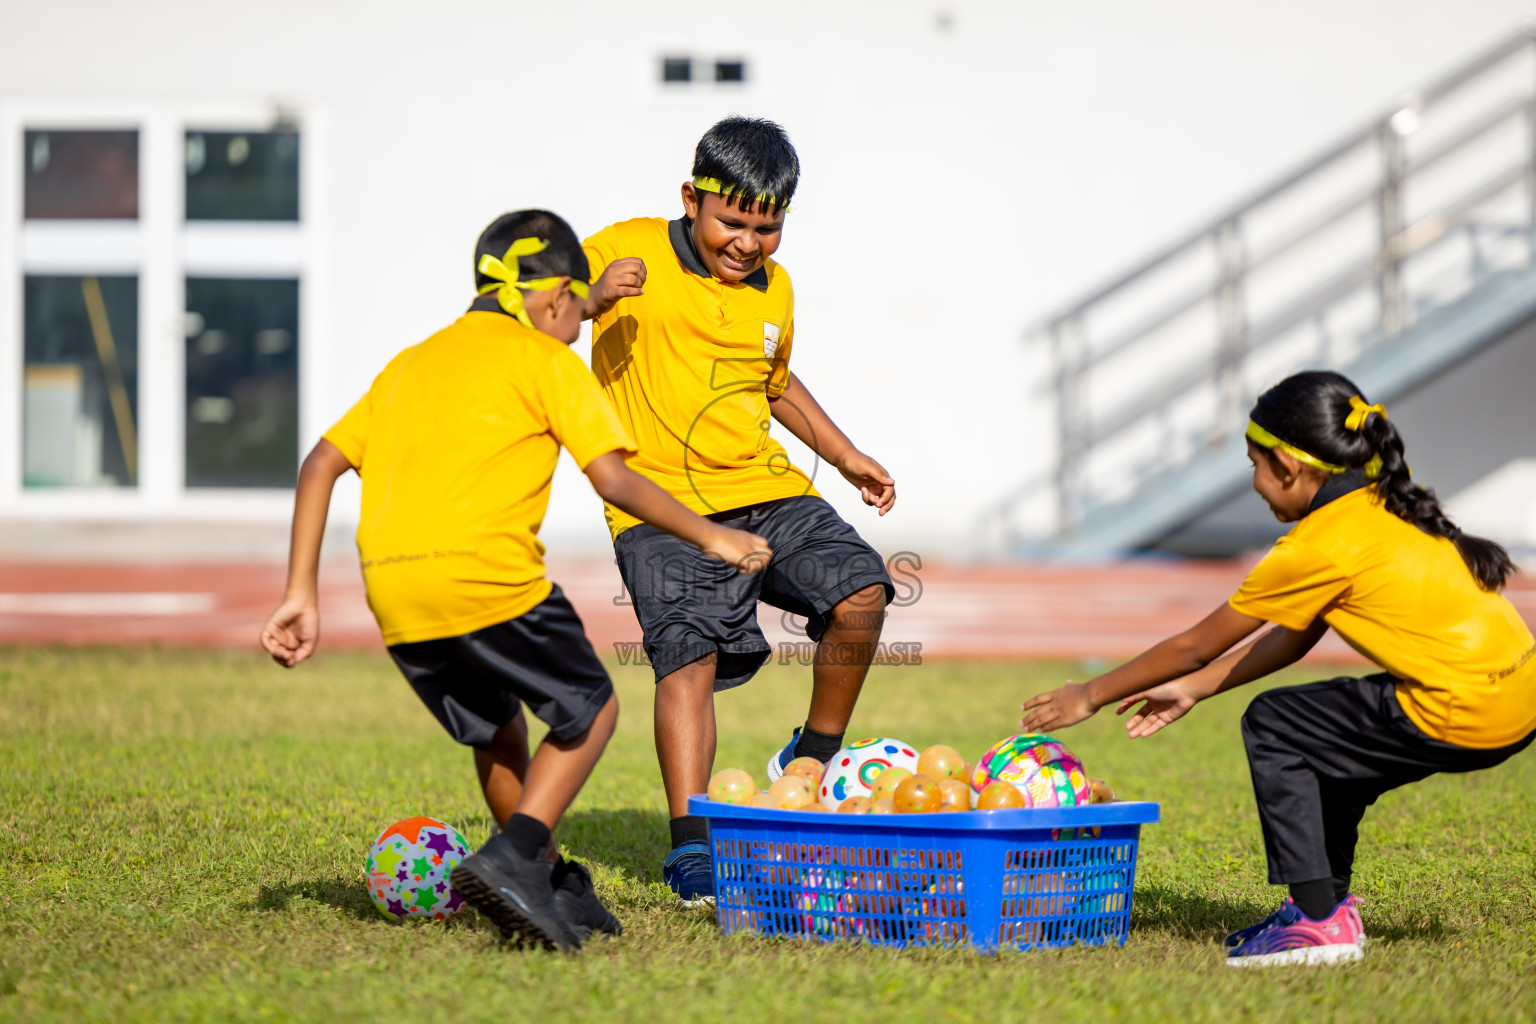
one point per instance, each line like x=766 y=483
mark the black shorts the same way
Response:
x=1321 y=753
x=690 y=605
x=476 y=683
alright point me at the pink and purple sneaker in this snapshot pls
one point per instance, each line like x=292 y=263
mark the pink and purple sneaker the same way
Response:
x=1290 y=937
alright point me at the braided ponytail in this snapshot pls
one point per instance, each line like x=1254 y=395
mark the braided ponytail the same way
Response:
x=1488 y=561
x=1322 y=413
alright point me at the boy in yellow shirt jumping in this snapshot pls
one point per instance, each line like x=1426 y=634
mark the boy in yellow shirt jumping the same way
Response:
x=456 y=443
x=693 y=325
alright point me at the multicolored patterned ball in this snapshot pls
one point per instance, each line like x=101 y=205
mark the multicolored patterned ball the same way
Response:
x=852 y=770
x=408 y=870
x=1045 y=771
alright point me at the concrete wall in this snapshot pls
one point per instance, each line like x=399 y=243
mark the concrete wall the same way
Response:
x=967 y=165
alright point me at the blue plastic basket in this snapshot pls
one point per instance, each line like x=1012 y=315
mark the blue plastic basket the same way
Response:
x=1017 y=879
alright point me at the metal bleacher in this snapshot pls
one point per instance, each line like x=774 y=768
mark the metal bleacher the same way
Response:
x=1391 y=256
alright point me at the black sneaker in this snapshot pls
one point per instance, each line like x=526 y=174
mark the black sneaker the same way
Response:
x=514 y=892
x=578 y=902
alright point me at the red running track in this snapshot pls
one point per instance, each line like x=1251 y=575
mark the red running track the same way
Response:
x=1109 y=611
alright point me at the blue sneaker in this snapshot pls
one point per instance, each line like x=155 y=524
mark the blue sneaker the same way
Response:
x=690 y=871
x=778 y=762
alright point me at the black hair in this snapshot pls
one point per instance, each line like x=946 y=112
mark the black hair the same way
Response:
x=750 y=157
x=563 y=258
x=1308 y=410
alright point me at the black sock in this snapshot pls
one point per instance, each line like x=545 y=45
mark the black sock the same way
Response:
x=1314 y=898
x=528 y=835
x=689 y=828
x=819 y=745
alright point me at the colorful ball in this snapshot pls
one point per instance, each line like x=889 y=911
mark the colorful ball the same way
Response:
x=1041 y=768
x=731 y=786
x=1000 y=795
x=792 y=792
x=917 y=794
x=807 y=766
x=408 y=870
x=954 y=795
x=852 y=770
x=940 y=762
x=887 y=781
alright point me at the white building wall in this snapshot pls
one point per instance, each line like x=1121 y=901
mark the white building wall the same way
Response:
x=966 y=166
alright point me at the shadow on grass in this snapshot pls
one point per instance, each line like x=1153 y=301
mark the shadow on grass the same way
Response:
x=1423 y=930
x=630 y=841
x=1187 y=915
x=1182 y=914
x=347 y=895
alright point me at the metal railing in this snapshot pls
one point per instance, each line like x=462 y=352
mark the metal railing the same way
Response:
x=1407 y=214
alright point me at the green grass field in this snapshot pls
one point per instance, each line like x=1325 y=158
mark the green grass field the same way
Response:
x=184 y=835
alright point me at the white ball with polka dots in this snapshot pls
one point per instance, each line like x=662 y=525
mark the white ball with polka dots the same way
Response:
x=852 y=770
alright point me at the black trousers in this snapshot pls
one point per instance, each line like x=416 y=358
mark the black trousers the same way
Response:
x=1322 y=753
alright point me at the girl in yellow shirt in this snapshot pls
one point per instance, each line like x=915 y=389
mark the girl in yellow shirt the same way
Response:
x=1374 y=557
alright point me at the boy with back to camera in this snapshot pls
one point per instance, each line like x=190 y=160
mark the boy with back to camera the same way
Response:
x=693 y=324
x=456 y=443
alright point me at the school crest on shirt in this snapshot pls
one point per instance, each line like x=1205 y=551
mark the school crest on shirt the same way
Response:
x=770 y=339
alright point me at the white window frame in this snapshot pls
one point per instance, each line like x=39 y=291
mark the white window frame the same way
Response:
x=162 y=249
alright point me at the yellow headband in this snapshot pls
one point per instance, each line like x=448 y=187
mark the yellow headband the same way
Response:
x=718 y=188
x=509 y=292
x=1264 y=439
x=1358 y=411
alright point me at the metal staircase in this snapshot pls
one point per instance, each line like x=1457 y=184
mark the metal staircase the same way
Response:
x=1403 y=248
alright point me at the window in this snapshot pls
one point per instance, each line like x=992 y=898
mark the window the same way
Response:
x=80 y=374
x=677 y=69
x=242 y=396
x=96 y=422
x=242 y=175
x=82 y=175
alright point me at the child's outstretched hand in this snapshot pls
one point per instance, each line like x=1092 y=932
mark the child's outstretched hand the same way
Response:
x=621 y=279
x=292 y=631
x=1165 y=704
x=748 y=552
x=875 y=485
x=1057 y=709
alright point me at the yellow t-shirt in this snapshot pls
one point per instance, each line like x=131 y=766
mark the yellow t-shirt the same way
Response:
x=456 y=443
x=690 y=367
x=1462 y=655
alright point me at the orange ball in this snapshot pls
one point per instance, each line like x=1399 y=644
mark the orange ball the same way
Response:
x=887 y=781
x=732 y=786
x=807 y=767
x=917 y=794
x=792 y=791
x=885 y=806
x=764 y=800
x=999 y=795
x=939 y=762
x=816 y=807
x=855 y=805
x=954 y=795
x=1103 y=792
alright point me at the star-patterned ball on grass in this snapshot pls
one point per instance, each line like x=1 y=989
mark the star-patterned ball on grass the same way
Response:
x=408 y=870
